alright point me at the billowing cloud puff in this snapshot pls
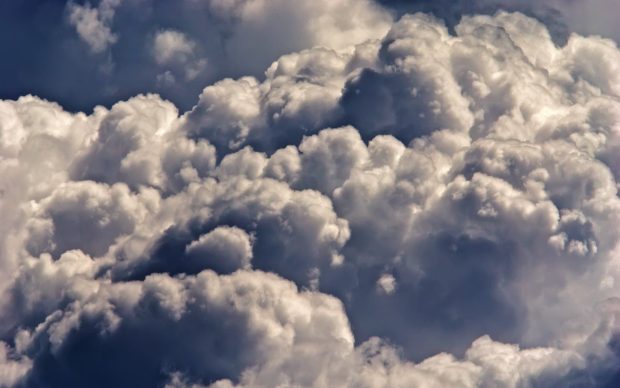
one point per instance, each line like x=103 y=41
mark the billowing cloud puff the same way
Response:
x=231 y=247
x=12 y=370
x=170 y=46
x=83 y=215
x=211 y=326
x=172 y=49
x=92 y=24
x=334 y=24
x=412 y=207
x=138 y=46
x=223 y=323
x=109 y=44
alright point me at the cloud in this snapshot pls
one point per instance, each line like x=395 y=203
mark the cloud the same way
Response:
x=283 y=335
x=414 y=205
x=170 y=45
x=226 y=34
x=12 y=370
x=386 y=283
x=333 y=24
x=173 y=49
x=93 y=24
x=244 y=318
x=176 y=50
x=230 y=246
x=85 y=216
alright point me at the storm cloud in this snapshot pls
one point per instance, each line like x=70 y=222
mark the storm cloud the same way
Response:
x=399 y=200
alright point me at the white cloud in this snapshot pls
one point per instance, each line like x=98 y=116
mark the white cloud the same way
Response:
x=435 y=189
x=386 y=283
x=93 y=24
x=12 y=370
x=335 y=24
x=170 y=46
x=83 y=215
x=229 y=247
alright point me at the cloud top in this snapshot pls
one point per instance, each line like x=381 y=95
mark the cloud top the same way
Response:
x=402 y=205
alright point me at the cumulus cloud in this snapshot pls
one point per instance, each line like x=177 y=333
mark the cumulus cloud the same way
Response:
x=173 y=49
x=334 y=24
x=93 y=24
x=225 y=34
x=170 y=45
x=403 y=205
x=230 y=246
x=12 y=370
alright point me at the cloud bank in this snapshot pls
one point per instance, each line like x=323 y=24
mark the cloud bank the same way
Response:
x=394 y=207
x=111 y=45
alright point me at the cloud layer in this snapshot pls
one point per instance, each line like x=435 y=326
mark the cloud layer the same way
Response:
x=111 y=44
x=397 y=206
